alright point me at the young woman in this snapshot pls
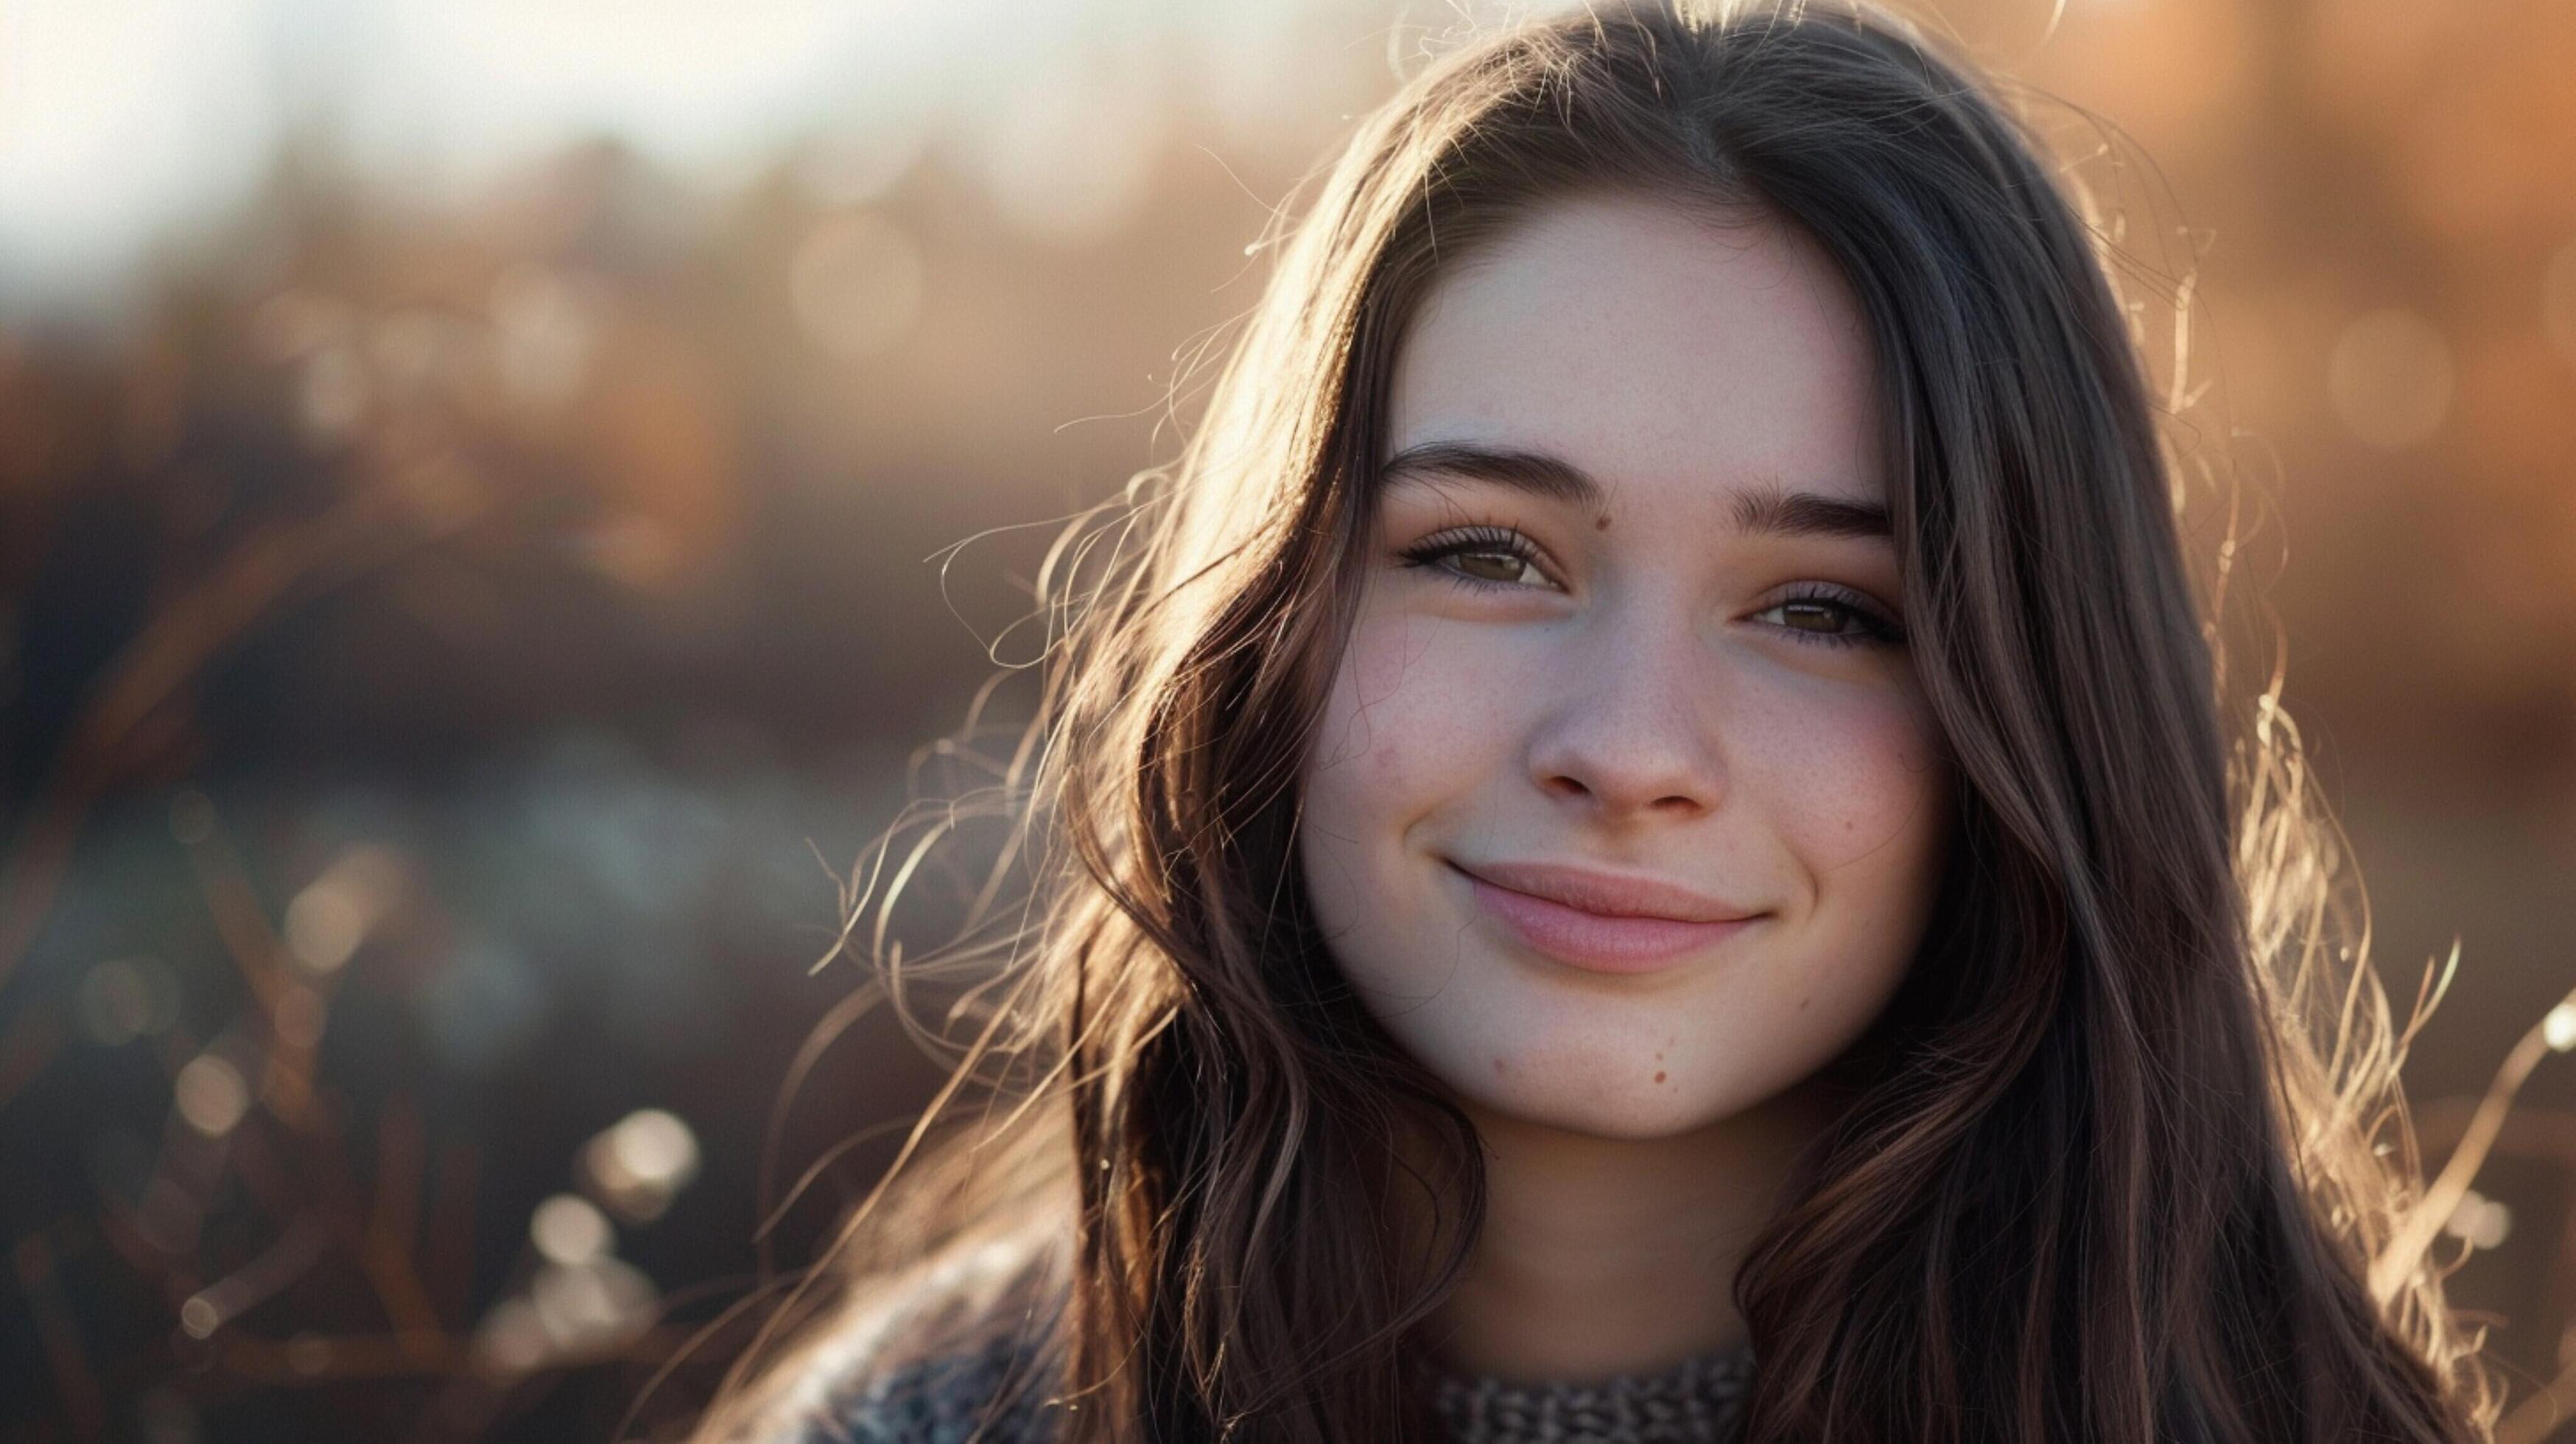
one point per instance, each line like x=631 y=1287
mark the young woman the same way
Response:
x=1638 y=844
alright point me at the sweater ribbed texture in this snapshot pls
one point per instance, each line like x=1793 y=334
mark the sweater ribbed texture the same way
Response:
x=1698 y=1401
x=944 y=1400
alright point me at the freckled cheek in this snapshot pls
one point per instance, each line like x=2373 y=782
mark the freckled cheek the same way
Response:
x=1408 y=732
x=1385 y=648
x=1862 y=784
x=1414 y=716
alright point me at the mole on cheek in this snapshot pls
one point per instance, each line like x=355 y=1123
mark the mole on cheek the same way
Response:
x=1601 y=522
x=1659 y=1075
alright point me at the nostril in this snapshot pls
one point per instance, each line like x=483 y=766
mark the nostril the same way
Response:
x=1563 y=786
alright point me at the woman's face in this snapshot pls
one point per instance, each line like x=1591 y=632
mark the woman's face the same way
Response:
x=1626 y=810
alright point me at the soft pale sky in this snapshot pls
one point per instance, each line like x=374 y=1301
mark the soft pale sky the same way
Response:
x=125 y=122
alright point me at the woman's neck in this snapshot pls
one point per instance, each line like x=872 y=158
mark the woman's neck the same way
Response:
x=1603 y=1256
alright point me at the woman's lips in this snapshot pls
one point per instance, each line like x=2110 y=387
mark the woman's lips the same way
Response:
x=1602 y=923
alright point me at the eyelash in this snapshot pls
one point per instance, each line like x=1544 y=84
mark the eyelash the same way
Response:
x=1869 y=624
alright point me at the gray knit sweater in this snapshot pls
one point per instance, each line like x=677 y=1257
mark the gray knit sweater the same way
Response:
x=944 y=1400
x=959 y=1356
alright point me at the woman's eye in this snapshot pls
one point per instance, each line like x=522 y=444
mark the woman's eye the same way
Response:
x=1831 y=621
x=1486 y=556
x=1492 y=566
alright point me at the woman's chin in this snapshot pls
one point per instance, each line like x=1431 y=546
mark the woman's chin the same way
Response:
x=1573 y=1099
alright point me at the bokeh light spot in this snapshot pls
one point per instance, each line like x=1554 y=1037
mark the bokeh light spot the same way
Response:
x=568 y=1229
x=211 y=1095
x=2480 y=1222
x=591 y=1306
x=328 y=920
x=639 y=1165
x=2558 y=1030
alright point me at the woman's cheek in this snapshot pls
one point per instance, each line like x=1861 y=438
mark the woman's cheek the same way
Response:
x=1410 y=709
x=1369 y=675
x=1855 y=782
x=1355 y=771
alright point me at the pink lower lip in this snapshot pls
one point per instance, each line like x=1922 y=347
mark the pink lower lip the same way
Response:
x=1600 y=942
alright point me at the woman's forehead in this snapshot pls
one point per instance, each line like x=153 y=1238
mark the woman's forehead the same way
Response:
x=1642 y=342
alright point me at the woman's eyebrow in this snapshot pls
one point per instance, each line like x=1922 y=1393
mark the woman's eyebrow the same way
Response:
x=1536 y=472
x=1764 y=510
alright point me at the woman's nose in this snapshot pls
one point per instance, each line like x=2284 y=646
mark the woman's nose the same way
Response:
x=1631 y=729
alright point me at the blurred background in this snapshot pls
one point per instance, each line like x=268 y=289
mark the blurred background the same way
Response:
x=478 y=482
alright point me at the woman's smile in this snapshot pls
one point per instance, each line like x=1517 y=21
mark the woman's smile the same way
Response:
x=1601 y=922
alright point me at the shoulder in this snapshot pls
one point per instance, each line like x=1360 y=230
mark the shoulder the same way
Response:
x=962 y=1350
x=998 y=1393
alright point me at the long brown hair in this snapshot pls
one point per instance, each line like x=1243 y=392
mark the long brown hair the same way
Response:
x=2129 y=1142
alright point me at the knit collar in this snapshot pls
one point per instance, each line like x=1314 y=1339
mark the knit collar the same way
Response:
x=1697 y=1401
